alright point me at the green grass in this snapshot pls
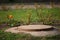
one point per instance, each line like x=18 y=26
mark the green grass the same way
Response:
x=23 y=14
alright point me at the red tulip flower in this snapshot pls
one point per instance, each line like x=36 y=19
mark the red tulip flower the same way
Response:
x=10 y=16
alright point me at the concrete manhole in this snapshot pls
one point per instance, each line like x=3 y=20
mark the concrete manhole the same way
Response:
x=35 y=30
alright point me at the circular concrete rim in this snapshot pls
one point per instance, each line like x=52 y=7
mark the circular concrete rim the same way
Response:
x=33 y=33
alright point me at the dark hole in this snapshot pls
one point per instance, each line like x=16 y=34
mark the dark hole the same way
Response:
x=48 y=29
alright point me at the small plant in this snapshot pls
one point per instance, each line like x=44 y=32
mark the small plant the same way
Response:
x=49 y=19
x=28 y=19
x=12 y=22
x=22 y=21
x=39 y=12
x=10 y=17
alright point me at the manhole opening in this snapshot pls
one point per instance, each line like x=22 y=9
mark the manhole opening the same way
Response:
x=47 y=29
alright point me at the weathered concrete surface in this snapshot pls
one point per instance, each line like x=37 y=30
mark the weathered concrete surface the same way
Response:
x=34 y=27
